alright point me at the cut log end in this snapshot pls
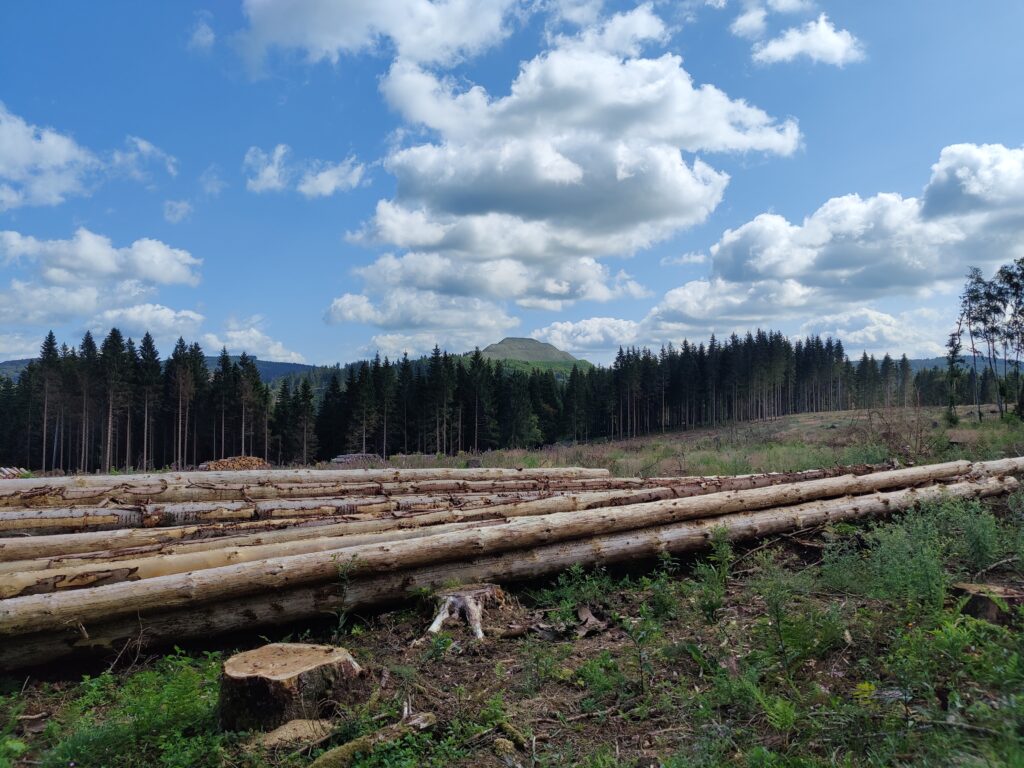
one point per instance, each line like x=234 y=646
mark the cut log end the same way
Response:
x=266 y=687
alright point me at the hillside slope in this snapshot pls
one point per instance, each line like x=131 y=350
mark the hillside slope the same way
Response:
x=529 y=354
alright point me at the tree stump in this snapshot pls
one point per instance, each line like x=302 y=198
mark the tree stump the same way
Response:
x=266 y=687
x=991 y=602
x=467 y=601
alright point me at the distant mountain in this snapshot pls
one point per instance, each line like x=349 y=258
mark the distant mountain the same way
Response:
x=530 y=354
x=923 y=364
x=270 y=371
x=12 y=368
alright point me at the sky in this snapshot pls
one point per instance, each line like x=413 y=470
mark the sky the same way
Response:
x=318 y=180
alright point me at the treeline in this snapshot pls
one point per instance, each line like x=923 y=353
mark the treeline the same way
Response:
x=119 y=405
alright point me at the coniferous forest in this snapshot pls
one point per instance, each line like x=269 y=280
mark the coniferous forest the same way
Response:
x=120 y=404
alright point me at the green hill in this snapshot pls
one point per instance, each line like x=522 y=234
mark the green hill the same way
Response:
x=530 y=354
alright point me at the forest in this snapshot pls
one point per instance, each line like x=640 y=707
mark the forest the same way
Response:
x=121 y=406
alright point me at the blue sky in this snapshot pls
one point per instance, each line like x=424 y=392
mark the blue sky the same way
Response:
x=314 y=180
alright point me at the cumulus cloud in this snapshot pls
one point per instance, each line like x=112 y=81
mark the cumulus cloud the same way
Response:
x=274 y=172
x=211 y=183
x=266 y=172
x=163 y=322
x=324 y=179
x=177 y=210
x=90 y=257
x=249 y=337
x=16 y=346
x=817 y=40
x=133 y=160
x=684 y=260
x=878 y=332
x=591 y=154
x=40 y=166
x=602 y=334
x=429 y=31
x=414 y=320
x=750 y=24
x=828 y=272
x=202 y=37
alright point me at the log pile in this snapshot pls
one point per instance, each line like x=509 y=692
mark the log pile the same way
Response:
x=92 y=564
x=234 y=462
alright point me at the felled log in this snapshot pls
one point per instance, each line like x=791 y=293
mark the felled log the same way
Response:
x=266 y=687
x=46 y=520
x=102 y=571
x=166 y=626
x=37 y=612
x=22 y=548
x=227 y=486
x=360 y=523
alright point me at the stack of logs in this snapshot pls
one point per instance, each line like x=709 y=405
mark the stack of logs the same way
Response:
x=93 y=564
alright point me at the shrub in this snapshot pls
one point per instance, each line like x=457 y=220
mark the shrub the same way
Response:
x=163 y=716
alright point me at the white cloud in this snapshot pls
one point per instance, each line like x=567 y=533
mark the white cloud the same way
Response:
x=89 y=257
x=751 y=23
x=162 y=322
x=324 y=179
x=684 y=260
x=429 y=31
x=790 y=6
x=274 y=173
x=27 y=303
x=211 y=183
x=15 y=346
x=267 y=173
x=852 y=252
x=817 y=40
x=913 y=332
x=578 y=12
x=137 y=154
x=40 y=166
x=415 y=319
x=589 y=155
x=202 y=38
x=539 y=285
x=249 y=337
x=177 y=210
x=591 y=334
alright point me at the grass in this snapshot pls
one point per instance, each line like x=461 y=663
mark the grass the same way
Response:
x=844 y=646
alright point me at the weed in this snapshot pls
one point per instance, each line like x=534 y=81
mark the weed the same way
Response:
x=643 y=633
x=162 y=716
x=602 y=678
x=575 y=587
x=440 y=645
x=542 y=663
x=711 y=575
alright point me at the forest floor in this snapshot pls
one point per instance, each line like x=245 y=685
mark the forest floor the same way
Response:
x=845 y=645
